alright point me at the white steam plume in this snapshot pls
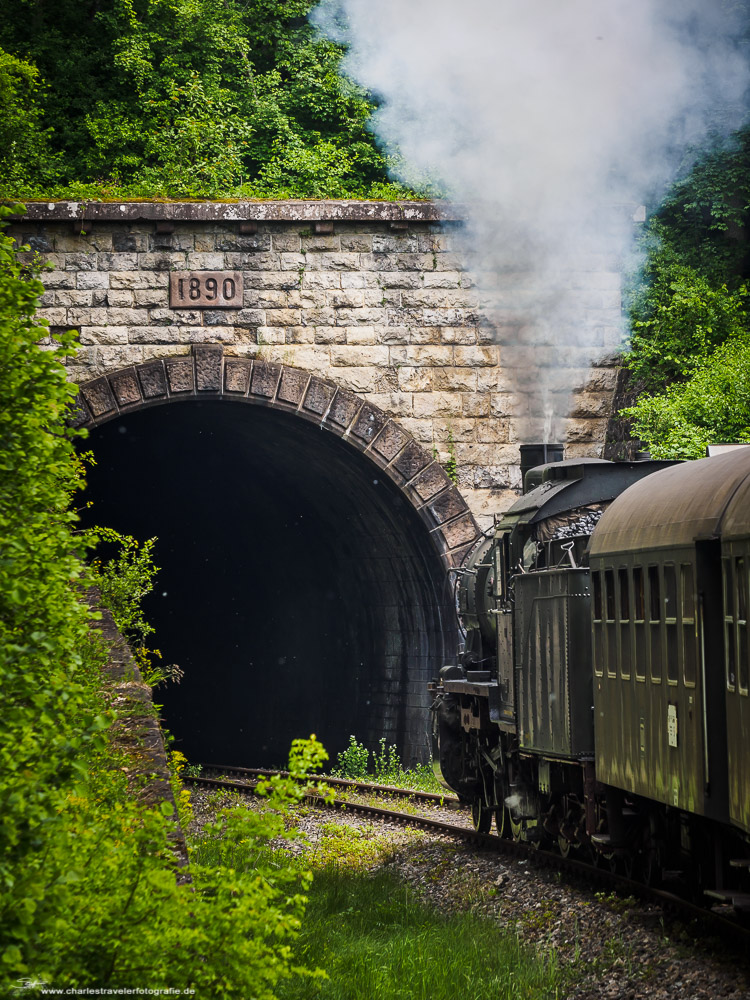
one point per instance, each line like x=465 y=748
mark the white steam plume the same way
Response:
x=550 y=120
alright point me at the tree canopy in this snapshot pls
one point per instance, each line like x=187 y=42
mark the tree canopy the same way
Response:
x=690 y=347
x=180 y=98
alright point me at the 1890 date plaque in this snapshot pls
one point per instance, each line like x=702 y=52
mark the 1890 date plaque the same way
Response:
x=205 y=289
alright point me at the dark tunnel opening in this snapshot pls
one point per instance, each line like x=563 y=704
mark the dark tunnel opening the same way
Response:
x=299 y=589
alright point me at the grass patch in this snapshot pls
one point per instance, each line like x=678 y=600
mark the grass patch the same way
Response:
x=377 y=941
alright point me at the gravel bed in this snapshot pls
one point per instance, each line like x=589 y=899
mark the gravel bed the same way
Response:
x=620 y=949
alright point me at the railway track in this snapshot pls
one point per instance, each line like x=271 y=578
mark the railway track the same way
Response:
x=244 y=781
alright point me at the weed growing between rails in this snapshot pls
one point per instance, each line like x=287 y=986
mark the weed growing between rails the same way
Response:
x=387 y=769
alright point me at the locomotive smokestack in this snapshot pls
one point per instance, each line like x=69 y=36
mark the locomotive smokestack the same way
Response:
x=538 y=454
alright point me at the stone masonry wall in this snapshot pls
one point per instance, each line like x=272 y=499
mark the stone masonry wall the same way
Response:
x=372 y=297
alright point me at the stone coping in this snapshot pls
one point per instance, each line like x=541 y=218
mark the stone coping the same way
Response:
x=242 y=211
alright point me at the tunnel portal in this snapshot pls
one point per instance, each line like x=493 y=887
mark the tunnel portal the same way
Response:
x=299 y=590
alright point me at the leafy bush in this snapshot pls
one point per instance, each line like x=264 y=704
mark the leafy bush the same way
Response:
x=47 y=720
x=352 y=762
x=713 y=405
x=191 y=98
x=689 y=312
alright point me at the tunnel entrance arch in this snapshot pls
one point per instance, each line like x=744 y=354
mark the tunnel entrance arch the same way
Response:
x=304 y=583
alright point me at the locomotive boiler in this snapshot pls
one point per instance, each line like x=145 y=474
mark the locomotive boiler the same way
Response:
x=601 y=700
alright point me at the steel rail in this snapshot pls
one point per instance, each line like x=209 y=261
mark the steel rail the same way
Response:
x=717 y=923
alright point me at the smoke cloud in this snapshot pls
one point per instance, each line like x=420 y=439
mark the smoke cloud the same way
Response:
x=550 y=122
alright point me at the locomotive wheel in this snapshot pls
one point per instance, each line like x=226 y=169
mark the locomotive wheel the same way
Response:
x=564 y=846
x=481 y=816
x=516 y=829
x=502 y=822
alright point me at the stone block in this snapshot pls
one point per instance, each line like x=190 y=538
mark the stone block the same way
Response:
x=121 y=299
x=271 y=279
x=81 y=261
x=430 y=482
x=271 y=334
x=357 y=317
x=461 y=532
x=286 y=317
x=250 y=317
x=237 y=376
x=74 y=298
x=139 y=279
x=104 y=335
x=437 y=404
x=161 y=261
x=410 y=461
x=205 y=262
x=265 y=379
x=153 y=334
x=123 y=242
x=318 y=243
x=329 y=334
x=457 y=428
x=208 y=367
x=455 y=379
x=125 y=387
x=492 y=431
x=389 y=442
x=463 y=335
x=117 y=261
x=317 y=317
x=316 y=280
x=99 y=397
x=293 y=385
x=252 y=243
x=369 y=422
x=428 y=356
x=60 y=279
x=364 y=335
x=318 y=396
x=300 y=335
x=54 y=317
x=286 y=242
x=447 y=506
x=152 y=378
x=331 y=262
x=344 y=408
x=356 y=242
x=477 y=357
x=180 y=375
x=92 y=279
x=354 y=356
x=415 y=379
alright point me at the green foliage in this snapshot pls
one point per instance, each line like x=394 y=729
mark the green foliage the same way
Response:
x=679 y=317
x=374 y=938
x=24 y=143
x=689 y=312
x=192 y=98
x=712 y=406
x=123 y=581
x=387 y=768
x=352 y=762
x=47 y=722
x=387 y=763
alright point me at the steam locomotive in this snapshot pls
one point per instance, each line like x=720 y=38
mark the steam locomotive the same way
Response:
x=601 y=702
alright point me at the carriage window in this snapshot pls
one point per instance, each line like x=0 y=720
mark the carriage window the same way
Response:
x=689 y=630
x=740 y=580
x=654 y=594
x=639 y=627
x=622 y=576
x=729 y=644
x=670 y=592
x=625 y=649
x=597 y=577
x=654 y=629
x=609 y=593
x=598 y=645
x=639 y=601
x=670 y=609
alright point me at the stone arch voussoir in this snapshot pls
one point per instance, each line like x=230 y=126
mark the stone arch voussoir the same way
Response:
x=207 y=374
